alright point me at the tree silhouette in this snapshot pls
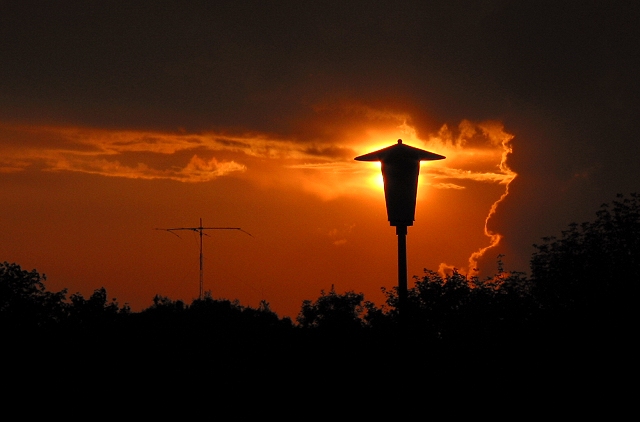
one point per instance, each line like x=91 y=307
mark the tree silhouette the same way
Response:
x=96 y=314
x=334 y=312
x=454 y=308
x=25 y=304
x=585 y=280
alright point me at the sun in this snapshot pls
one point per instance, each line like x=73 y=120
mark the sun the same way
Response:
x=378 y=180
x=373 y=178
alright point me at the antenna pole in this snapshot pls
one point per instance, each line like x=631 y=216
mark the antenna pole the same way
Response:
x=200 y=229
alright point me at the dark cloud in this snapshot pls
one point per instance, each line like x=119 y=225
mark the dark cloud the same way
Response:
x=233 y=143
x=200 y=64
x=331 y=152
x=12 y=136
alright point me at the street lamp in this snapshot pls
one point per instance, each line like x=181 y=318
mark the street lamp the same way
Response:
x=400 y=170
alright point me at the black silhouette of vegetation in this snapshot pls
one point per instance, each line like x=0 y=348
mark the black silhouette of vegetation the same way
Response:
x=334 y=312
x=585 y=280
x=578 y=299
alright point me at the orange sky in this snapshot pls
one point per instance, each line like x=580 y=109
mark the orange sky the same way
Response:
x=88 y=201
x=117 y=118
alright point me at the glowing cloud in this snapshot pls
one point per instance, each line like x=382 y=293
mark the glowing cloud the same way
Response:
x=338 y=236
x=144 y=154
x=494 y=238
x=485 y=147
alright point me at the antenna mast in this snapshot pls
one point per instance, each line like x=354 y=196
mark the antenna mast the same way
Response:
x=200 y=229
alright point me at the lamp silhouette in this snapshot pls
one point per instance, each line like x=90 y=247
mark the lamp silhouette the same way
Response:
x=400 y=170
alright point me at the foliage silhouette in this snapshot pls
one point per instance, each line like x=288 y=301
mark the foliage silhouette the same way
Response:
x=579 y=294
x=333 y=311
x=454 y=310
x=212 y=324
x=25 y=304
x=585 y=280
x=96 y=314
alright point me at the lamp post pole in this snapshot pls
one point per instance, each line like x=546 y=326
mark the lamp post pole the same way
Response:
x=401 y=232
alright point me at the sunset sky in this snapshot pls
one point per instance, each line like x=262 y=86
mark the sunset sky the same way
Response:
x=120 y=117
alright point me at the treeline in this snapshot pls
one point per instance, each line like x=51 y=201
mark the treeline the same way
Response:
x=579 y=292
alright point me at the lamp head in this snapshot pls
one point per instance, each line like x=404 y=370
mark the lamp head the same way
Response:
x=400 y=170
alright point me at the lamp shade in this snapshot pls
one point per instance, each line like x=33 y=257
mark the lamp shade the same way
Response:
x=400 y=171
